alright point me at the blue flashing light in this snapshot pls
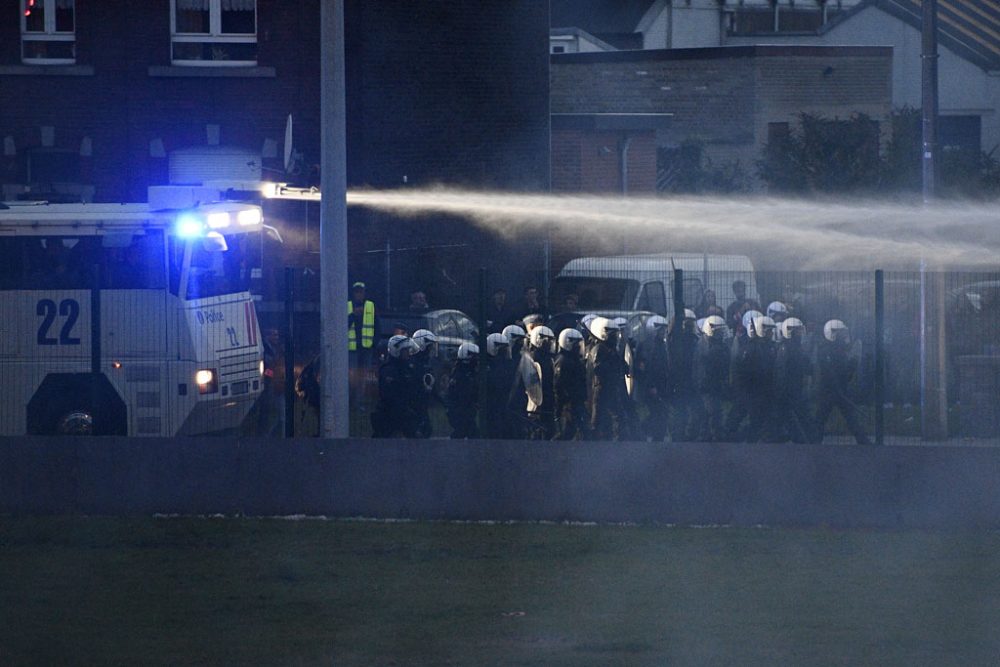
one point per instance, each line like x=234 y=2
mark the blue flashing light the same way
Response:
x=189 y=227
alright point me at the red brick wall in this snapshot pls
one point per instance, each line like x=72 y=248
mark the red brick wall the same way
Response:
x=455 y=92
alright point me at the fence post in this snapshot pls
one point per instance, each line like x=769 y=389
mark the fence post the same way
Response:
x=879 y=356
x=289 y=395
x=481 y=316
x=678 y=295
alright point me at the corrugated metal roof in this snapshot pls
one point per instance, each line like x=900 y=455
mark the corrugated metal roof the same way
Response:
x=970 y=28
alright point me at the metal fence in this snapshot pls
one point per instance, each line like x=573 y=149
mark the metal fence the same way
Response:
x=924 y=348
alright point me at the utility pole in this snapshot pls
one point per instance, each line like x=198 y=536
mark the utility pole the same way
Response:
x=929 y=95
x=933 y=341
x=333 y=224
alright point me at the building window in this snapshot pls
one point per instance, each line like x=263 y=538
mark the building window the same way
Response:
x=48 y=32
x=213 y=32
x=960 y=133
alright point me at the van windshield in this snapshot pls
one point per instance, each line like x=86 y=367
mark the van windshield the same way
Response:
x=215 y=273
x=595 y=294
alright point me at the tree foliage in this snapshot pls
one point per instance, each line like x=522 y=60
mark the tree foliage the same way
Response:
x=686 y=169
x=839 y=156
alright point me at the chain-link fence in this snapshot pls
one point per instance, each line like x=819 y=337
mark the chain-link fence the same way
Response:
x=918 y=357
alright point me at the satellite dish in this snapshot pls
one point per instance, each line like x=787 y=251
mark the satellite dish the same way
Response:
x=288 y=144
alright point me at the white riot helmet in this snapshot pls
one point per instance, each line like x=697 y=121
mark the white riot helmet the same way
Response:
x=655 y=322
x=689 y=314
x=569 y=339
x=790 y=326
x=834 y=330
x=763 y=327
x=777 y=310
x=497 y=343
x=541 y=336
x=468 y=351
x=748 y=318
x=533 y=320
x=586 y=320
x=513 y=333
x=602 y=327
x=399 y=344
x=713 y=325
x=424 y=338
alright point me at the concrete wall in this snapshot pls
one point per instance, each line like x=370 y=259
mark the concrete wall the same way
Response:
x=686 y=484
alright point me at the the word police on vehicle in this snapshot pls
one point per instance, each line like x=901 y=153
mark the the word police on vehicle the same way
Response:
x=131 y=319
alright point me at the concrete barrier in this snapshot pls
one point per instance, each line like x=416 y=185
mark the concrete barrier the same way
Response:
x=685 y=484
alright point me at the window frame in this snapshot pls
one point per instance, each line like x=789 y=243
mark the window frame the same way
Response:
x=213 y=36
x=49 y=34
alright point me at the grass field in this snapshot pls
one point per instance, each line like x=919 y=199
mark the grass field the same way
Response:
x=278 y=592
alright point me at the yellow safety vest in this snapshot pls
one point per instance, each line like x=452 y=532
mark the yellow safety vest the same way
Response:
x=367 y=328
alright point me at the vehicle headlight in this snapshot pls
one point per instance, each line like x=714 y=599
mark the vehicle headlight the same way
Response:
x=217 y=220
x=206 y=381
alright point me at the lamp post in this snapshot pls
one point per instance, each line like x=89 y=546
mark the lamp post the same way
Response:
x=333 y=224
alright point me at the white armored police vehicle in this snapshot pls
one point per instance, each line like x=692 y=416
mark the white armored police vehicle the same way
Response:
x=130 y=319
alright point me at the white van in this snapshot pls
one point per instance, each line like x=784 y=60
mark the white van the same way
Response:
x=625 y=284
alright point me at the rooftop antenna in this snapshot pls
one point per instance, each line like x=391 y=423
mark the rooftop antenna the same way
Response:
x=292 y=157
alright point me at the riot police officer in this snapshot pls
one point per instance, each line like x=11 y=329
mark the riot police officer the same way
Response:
x=652 y=386
x=835 y=370
x=684 y=399
x=395 y=413
x=569 y=378
x=608 y=376
x=541 y=398
x=711 y=376
x=792 y=368
x=463 y=392
x=499 y=377
x=424 y=379
x=758 y=367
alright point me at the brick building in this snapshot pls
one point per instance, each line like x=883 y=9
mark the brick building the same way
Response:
x=98 y=95
x=730 y=100
x=103 y=99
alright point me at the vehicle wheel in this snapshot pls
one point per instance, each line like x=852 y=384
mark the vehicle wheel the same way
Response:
x=76 y=404
x=75 y=422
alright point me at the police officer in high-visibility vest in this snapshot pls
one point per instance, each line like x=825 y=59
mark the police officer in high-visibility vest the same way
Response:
x=360 y=325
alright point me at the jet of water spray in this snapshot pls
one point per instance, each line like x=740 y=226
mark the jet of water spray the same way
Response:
x=780 y=233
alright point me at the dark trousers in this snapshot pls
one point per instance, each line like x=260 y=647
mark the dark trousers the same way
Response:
x=571 y=421
x=738 y=412
x=794 y=419
x=655 y=425
x=543 y=424
x=825 y=403
x=463 y=422
x=687 y=416
x=712 y=424
x=762 y=417
x=605 y=419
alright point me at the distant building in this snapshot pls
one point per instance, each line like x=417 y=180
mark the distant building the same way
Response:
x=612 y=111
x=969 y=62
